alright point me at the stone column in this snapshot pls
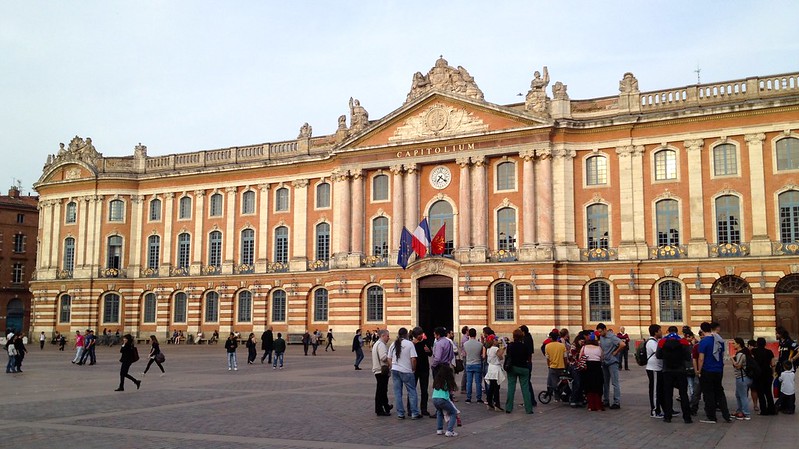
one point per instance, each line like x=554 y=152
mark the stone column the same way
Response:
x=198 y=239
x=358 y=229
x=563 y=198
x=760 y=244
x=639 y=230
x=397 y=211
x=479 y=252
x=299 y=260
x=627 y=249
x=544 y=207
x=45 y=224
x=95 y=245
x=135 y=237
x=262 y=257
x=697 y=245
x=464 y=210
x=528 y=214
x=228 y=255
x=57 y=239
x=82 y=241
x=412 y=215
x=341 y=218
x=166 y=240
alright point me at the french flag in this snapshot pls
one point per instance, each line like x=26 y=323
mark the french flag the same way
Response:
x=421 y=238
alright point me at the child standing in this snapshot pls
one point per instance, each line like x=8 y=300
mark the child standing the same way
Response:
x=442 y=384
x=787 y=401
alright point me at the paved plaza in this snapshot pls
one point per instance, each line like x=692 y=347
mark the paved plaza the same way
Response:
x=314 y=402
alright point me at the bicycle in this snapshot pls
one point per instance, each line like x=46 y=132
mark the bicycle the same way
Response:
x=562 y=391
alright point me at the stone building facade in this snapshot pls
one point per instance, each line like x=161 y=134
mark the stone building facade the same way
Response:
x=671 y=206
x=18 y=228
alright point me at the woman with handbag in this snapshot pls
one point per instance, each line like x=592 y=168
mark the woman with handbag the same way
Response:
x=518 y=355
x=577 y=364
x=495 y=374
x=155 y=356
x=593 y=379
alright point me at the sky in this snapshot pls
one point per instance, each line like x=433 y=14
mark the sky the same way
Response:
x=181 y=76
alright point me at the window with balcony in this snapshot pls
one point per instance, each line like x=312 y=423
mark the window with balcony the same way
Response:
x=184 y=250
x=728 y=220
x=114 y=260
x=282 y=244
x=667 y=216
x=380 y=237
x=215 y=249
x=506 y=229
x=322 y=241
x=789 y=216
x=597 y=226
x=247 y=247
x=153 y=252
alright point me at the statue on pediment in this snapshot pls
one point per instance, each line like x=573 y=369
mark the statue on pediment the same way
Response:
x=140 y=151
x=628 y=84
x=77 y=150
x=444 y=78
x=559 y=91
x=305 y=131
x=359 y=118
x=537 y=100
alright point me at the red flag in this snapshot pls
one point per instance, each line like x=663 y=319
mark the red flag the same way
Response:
x=439 y=243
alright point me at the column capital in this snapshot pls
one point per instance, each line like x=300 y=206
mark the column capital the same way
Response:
x=199 y=193
x=85 y=199
x=169 y=195
x=694 y=144
x=755 y=138
x=299 y=183
x=230 y=190
x=463 y=161
x=543 y=153
x=136 y=199
x=97 y=198
x=396 y=169
x=264 y=187
x=638 y=150
x=527 y=154
x=410 y=168
x=565 y=153
x=339 y=175
x=356 y=172
x=624 y=151
x=479 y=160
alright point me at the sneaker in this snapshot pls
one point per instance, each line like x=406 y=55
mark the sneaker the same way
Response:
x=708 y=421
x=163 y=374
x=274 y=367
x=656 y=415
x=143 y=374
x=468 y=401
x=439 y=432
x=451 y=434
x=416 y=416
x=229 y=369
x=480 y=401
x=280 y=367
x=615 y=407
x=747 y=418
x=400 y=417
x=235 y=369
x=739 y=416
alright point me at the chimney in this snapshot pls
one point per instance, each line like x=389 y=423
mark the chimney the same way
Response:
x=13 y=192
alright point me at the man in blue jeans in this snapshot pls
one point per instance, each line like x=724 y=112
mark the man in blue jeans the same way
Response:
x=611 y=346
x=474 y=366
x=402 y=361
x=711 y=372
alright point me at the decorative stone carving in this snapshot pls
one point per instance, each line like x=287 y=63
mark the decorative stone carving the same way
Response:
x=396 y=169
x=730 y=271
x=479 y=160
x=756 y=138
x=299 y=183
x=667 y=272
x=463 y=161
x=537 y=100
x=543 y=153
x=559 y=91
x=410 y=168
x=306 y=131
x=140 y=151
x=359 y=118
x=624 y=151
x=438 y=120
x=72 y=173
x=339 y=175
x=199 y=193
x=78 y=150
x=442 y=77
x=694 y=144
x=565 y=153
x=356 y=173
x=628 y=84
x=264 y=187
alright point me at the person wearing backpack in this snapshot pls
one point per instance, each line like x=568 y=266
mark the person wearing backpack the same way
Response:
x=743 y=379
x=130 y=355
x=654 y=371
x=675 y=354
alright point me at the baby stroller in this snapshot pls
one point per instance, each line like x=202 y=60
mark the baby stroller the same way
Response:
x=562 y=392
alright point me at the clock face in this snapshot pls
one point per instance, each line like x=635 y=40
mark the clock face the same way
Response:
x=440 y=177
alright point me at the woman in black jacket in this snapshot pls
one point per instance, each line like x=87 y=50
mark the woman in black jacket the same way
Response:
x=154 y=351
x=127 y=359
x=252 y=348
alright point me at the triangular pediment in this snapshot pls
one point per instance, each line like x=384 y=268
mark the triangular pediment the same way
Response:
x=438 y=115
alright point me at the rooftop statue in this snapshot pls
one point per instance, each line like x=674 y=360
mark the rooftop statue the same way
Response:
x=306 y=131
x=628 y=84
x=444 y=78
x=78 y=150
x=359 y=118
x=537 y=100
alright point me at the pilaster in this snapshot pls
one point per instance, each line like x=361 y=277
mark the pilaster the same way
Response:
x=56 y=237
x=358 y=229
x=166 y=240
x=299 y=260
x=760 y=244
x=412 y=216
x=45 y=224
x=135 y=239
x=341 y=217
x=228 y=255
x=563 y=198
x=198 y=239
x=397 y=210
x=528 y=216
x=479 y=251
x=697 y=244
x=461 y=253
x=262 y=256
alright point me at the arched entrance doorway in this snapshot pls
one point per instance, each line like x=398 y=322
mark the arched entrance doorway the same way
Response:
x=15 y=315
x=435 y=303
x=731 y=306
x=786 y=303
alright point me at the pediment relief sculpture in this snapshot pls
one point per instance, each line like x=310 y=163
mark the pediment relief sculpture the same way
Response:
x=444 y=78
x=438 y=120
x=78 y=150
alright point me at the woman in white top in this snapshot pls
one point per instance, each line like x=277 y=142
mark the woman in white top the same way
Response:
x=495 y=375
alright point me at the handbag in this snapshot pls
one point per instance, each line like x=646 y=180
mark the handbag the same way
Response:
x=458 y=366
x=582 y=363
x=384 y=370
x=160 y=357
x=506 y=363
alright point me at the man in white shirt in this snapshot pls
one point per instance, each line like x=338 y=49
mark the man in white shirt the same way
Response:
x=381 y=372
x=654 y=371
x=402 y=360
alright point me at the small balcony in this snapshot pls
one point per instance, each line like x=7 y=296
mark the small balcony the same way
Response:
x=319 y=265
x=64 y=274
x=244 y=268
x=503 y=255
x=277 y=267
x=149 y=272
x=211 y=270
x=668 y=252
x=729 y=250
x=598 y=254
x=786 y=249
x=179 y=271
x=374 y=261
x=111 y=273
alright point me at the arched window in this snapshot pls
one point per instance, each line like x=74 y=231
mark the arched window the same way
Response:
x=441 y=214
x=788 y=154
x=322 y=241
x=725 y=160
x=380 y=237
x=181 y=301
x=282 y=199
x=282 y=244
x=149 y=308
x=184 y=208
x=665 y=165
x=374 y=303
x=506 y=176
x=71 y=213
x=320 y=305
x=65 y=309
x=215 y=207
x=215 y=249
x=114 y=252
x=69 y=254
x=116 y=210
x=599 y=301
x=506 y=229
x=184 y=250
x=322 y=195
x=789 y=216
x=247 y=246
x=211 y=307
x=503 y=302
x=670 y=298
x=667 y=216
x=728 y=220
x=380 y=188
x=245 y=306
x=596 y=171
x=155 y=210
x=153 y=251
x=279 y=305
x=248 y=202
x=111 y=308
x=597 y=227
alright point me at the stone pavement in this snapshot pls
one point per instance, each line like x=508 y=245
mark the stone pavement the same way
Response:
x=314 y=402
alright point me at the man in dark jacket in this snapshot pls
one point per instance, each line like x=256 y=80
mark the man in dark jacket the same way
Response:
x=267 y=344
x=280 y=348
x=675 y=352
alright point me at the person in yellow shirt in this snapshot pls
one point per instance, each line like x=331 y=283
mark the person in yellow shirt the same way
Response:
x=556 y=361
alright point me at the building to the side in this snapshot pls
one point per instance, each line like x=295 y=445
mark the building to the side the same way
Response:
x=672 y=206
x=19 y=222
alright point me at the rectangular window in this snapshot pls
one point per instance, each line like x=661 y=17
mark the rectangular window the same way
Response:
x=20 y=218
x=19 y=243
x=279 y=306
x=111 y=309
x=245 y=306
x=180 y=308
x=248 y=202
x=184 y=250
x=66 y=309
x=215 y=209
x=184 y=208
x=596 y=171
x=155 y=210
x=247 y=246
x=116 y=210
x=725 y=160
x=380 y=188
x=153 y=252
x=665 y=165
x=323 y=195
x=16 y=273
x=71 y=213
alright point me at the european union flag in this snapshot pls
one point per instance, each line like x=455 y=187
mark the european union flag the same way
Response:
x=405 y=248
